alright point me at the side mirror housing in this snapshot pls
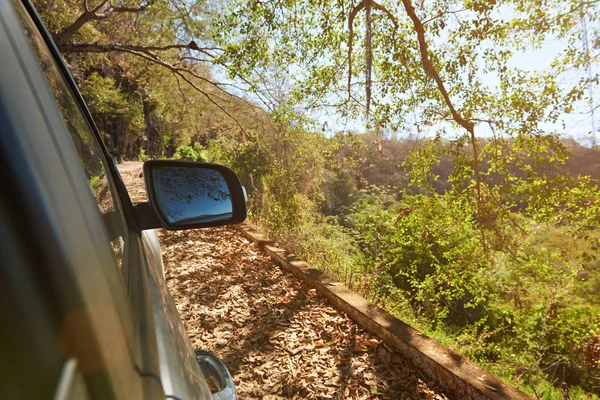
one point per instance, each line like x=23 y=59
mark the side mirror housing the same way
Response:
x=188 y=195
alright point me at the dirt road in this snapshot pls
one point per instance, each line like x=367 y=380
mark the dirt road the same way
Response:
x=277 y=337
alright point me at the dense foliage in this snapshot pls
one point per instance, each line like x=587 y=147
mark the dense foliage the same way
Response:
x=459 y=210
x=525 y=305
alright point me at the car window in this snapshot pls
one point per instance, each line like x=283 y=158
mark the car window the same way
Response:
x=88 y=149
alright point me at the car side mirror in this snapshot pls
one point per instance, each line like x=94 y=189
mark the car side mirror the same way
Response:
x=188 y=195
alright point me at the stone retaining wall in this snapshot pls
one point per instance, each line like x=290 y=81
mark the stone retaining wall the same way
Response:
x=453 y=372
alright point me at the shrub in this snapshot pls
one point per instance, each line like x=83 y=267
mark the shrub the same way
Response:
x=143 y=157
x=567 y=337
x=429 y=247
x=95 y=185
x=190 y=153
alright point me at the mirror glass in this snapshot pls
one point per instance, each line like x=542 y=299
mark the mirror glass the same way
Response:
x=189 y=195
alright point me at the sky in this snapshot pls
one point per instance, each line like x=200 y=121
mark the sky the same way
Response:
x=577 y=125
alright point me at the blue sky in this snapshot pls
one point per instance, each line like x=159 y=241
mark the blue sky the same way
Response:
x=577 y=124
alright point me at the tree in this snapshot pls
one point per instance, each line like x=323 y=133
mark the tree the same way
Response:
x=138 y=53
x=421 y=71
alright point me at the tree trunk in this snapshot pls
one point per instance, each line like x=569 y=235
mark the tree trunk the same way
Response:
x=153 y=137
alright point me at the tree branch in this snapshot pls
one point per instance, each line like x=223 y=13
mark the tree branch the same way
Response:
x=368 y=57
x=83 y=19
x=364 y=4
x=441 y=14
x=468 y=125
x=145 y=53
x=351 y=17
x=106 y=48
x=193 y=85
x=378 y=6
x=148 y=52
x=102 y=11
x=430 y=68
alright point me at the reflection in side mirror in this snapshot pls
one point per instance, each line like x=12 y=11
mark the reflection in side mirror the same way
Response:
x=191 y=196
x=187 y=195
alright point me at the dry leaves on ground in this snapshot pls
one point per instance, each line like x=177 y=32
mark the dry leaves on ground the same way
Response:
x=276 y=336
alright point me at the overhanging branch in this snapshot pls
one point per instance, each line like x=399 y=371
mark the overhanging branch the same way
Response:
x=146 y=54
x=364 y=4
x=106 y=48
x=468 y=125
x=351 y=17
x=102 y=11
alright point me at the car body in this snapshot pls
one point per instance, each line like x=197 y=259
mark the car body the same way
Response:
x=86 y=310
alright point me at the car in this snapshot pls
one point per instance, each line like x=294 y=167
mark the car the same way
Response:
x=86 y=311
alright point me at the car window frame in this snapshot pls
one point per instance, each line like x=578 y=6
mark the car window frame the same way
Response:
x=123 y=198
x=145 y=344
x=89 y=147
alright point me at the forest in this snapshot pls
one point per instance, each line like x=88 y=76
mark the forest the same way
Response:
x=397 y=145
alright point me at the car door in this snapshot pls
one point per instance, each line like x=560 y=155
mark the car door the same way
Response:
x=156 y=339
x=68 y=330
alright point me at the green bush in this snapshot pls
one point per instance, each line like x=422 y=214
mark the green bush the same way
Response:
x=190 y=153
x=143 y=157
x=429 y=247
x=95 y=184
x=564 y=332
